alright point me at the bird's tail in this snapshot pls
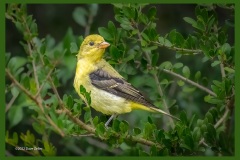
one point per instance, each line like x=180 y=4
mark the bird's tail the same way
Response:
x=161 y=111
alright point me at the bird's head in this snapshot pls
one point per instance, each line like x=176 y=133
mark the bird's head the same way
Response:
x=92 y=47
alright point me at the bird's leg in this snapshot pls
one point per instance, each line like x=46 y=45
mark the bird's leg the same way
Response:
x=109 y=120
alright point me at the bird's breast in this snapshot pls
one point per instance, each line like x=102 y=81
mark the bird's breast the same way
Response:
x=101 y=100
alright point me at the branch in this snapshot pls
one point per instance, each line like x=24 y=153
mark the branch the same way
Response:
x=192 y=51
x=190 y=82
x=220 y=121
x=47 y=77
x=35 y=99
x=10 y=76
x=223 y=118
x=11 y=102
x=88 y=26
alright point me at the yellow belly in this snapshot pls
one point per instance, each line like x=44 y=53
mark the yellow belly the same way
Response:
x=101 y=100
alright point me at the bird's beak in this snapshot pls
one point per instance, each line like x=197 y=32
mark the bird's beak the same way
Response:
x=103 y=45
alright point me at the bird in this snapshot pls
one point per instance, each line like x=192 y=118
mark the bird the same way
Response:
x=110 y=93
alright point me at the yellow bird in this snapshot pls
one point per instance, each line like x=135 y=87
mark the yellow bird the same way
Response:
x=110 y=94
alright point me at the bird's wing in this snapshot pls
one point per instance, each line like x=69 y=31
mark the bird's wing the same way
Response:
x=117 y=85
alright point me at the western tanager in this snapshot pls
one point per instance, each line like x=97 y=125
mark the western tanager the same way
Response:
x=110 y=93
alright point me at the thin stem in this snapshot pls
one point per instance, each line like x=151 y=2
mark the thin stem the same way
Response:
x=35 y=99
x=219 y=122
x=45 y=80
x=11 y=102
x=88 y=26
x=10 y=76
x=190 y=82
x=222 y=119
x=192 y=51
x=215 y=29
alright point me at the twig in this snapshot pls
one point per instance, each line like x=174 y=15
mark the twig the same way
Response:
x=88 y=26
x=10 y=76
x=82 y=135
x=47 y=77
x=190 y=82
x=215 y=29
x=223 y=118
x=11 y=102
x=192 y=51
x=35 y=99
x=220 y=121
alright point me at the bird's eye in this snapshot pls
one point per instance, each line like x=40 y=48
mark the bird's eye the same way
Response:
x=91 y=43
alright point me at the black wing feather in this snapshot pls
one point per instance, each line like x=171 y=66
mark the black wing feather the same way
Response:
x=117 y=86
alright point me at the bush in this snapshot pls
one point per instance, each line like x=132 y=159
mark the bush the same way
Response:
x=45 y=116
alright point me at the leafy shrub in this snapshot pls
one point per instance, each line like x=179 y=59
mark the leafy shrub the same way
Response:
x=201 y=94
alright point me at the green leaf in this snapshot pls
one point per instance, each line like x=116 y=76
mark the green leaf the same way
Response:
x=124 y=126
x=148 y=130
x=79 y=15
x=114 y=52
x=70 y=101
x=186 y=71
x=111 y=28
x=209 y=117
x=180 y=83
x=199 y=122
x=15 y=115
x=95 y=120
x=100 y=129
x=196 y=134
x=190 y=21
x=189 y=143
x=143 y=18
x=155 y=58
x=136 y=131
x=49 y=149
x=223 y=142
x=15 y=138
x=85 y=94
x=93 y=8
x=215 y=63
x=178 y=65
x=211 y=130
x=129 y=12
x=149 y=49
x=129 y=57
x=14 y=91
x=115 y=125
x=165 y=42
x=189 y=89
x=105 y=33
x=15 y=63
x=212 y=100
x=166 y=65
x=151 y=12
x=176 y=38
x=164 y=81
x=87 y=115
x=229 y=70
x=38 y=128
x=183 y=117
x=74 y=48
x=127 y=26
x=145 y=36
x=53 y=116
x=197 y=75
